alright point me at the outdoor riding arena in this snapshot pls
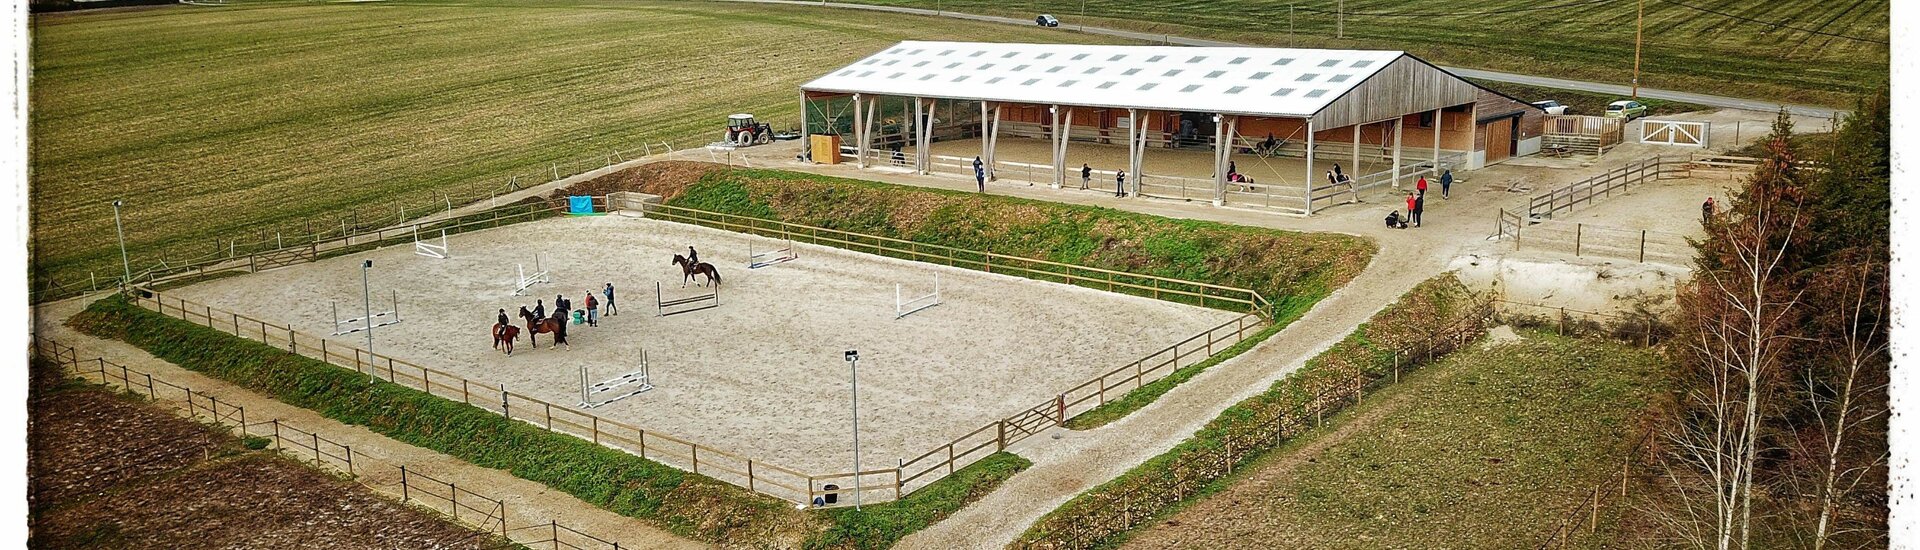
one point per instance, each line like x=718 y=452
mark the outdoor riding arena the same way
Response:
x=761 y=375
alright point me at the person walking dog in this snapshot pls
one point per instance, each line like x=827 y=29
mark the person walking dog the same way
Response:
x=609 y=292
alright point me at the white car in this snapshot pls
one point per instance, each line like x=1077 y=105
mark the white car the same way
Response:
x=1551 y=107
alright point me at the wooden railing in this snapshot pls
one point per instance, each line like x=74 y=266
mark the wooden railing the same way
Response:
x=1566 y=197
x=1157 y=287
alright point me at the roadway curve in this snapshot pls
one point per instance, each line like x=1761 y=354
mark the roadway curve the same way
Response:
x=1495 y=76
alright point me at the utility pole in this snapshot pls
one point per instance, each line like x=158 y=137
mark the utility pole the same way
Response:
x=853 y=360
x=1639 y=24
x=366 y=300
x=1289 y=20
x=1340 y=20
x=126 y=277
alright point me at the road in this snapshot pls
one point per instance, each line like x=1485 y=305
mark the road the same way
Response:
x=1495 y=76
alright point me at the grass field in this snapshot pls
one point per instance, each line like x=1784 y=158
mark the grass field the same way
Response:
x=1518 y=431
x=1685 y=49
x=213 y=121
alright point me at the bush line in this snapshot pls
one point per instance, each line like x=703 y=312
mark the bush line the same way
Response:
x=1436 y=317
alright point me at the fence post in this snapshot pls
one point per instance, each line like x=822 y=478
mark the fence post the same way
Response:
x=1060 y=403
x=1643 y=246
x=1578 y=228
x=404 y=495
x=1562 y=326
x=1001 y=439
x=276 y=434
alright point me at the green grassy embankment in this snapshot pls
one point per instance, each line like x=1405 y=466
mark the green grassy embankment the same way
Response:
x=687 y=504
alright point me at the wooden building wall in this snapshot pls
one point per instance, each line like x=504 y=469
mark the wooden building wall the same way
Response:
x=1407 y=85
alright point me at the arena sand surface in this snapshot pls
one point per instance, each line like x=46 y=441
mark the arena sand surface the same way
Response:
x=763 y=374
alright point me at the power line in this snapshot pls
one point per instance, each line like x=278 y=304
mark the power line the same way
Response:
x=1774 y=24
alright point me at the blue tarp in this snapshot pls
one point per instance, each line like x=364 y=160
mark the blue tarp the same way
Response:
x=579 y=204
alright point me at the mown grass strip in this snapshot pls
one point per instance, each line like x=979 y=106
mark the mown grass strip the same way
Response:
x=1433 y=319
x=1146 y=394
x=690 y=505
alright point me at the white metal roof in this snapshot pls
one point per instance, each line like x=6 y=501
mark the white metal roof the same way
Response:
x=1282 y=82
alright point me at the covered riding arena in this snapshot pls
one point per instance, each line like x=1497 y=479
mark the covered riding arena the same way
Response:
x=762 y=375
x=1254 y=127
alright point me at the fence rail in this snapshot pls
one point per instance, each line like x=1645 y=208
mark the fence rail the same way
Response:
x=1583 y=192
x=1586 y=239
x=166 y=260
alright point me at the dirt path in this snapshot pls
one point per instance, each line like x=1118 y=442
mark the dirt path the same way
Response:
x=528 y=503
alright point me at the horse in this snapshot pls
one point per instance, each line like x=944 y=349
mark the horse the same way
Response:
x=688 y=269
x=537 y=326
x=504 y=335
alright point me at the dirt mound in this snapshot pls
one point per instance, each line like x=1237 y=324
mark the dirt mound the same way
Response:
x=666 y=178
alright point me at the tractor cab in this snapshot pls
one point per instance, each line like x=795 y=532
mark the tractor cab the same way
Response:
x=739 y=122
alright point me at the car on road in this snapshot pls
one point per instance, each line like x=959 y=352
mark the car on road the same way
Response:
x=1045 y=20
x=1551 y=107
x=1626 y=109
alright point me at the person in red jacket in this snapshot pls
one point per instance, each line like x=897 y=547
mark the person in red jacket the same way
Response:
x=1421 y=185
x=1412 y=214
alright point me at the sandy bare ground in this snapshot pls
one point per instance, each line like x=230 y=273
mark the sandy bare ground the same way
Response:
x=528 y=502
x=762 y=375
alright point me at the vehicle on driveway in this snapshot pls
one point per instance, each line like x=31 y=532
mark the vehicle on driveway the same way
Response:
x=1045 y=20
x=1626 y=109
x=1551 y=107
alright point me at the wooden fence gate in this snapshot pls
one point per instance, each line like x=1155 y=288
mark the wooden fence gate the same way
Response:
x=1674 y=132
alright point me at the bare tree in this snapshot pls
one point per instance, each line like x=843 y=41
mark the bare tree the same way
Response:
x=1850 y=394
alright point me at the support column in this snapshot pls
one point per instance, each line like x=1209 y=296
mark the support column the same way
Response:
x=993 y=145
x=1354 y=170
x=859 y=133
x=1398 y=123
x=1135 y=143
x=1439 y=119
x=1310 y=175
x=1219 y=158
x=1064 y=132
x=806 y=141
x=986 y=145
x=1053 y=143
x=919 y=145
x=866 y=131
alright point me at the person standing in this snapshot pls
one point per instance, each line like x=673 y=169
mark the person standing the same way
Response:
x=980 y=174
x=1421 y=186
x=593 y=310
x=1412 y=209
x=1706 y=212
x=1419 y=207
x=1086 y=175
x=1120 y=183
x=609 y=292
x=1446 y=183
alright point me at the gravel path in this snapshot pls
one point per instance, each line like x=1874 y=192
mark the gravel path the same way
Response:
x=528 y=503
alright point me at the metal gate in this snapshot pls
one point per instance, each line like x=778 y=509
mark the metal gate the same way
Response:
x=1674 y=132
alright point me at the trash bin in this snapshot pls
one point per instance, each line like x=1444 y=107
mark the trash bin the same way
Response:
x=832 y=497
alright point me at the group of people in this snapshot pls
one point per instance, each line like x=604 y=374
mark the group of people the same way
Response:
x=562 y=307
x=1417 y=201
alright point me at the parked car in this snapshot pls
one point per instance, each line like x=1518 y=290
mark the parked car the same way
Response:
x=1551 y=107
x=1045 y=20
x=1626 y=109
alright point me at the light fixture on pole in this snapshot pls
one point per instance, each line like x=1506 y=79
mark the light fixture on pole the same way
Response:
x=853 y=362
x=126 y=277
x=366 y=300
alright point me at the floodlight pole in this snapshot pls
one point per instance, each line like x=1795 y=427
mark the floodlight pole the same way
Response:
x=853 y=362
x=1639 y=24
x=366 y=300
x=126 y=277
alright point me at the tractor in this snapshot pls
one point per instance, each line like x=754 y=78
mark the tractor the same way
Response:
x=742 y=130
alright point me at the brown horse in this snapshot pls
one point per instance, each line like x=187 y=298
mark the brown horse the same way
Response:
x=688 y=269
x=504 y=335
x=536 y=327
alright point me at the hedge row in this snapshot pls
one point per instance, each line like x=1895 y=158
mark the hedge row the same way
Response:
x=1435 y=318
x=686 y=504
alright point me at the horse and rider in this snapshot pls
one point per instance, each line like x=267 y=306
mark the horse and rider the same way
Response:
x=691 y=265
